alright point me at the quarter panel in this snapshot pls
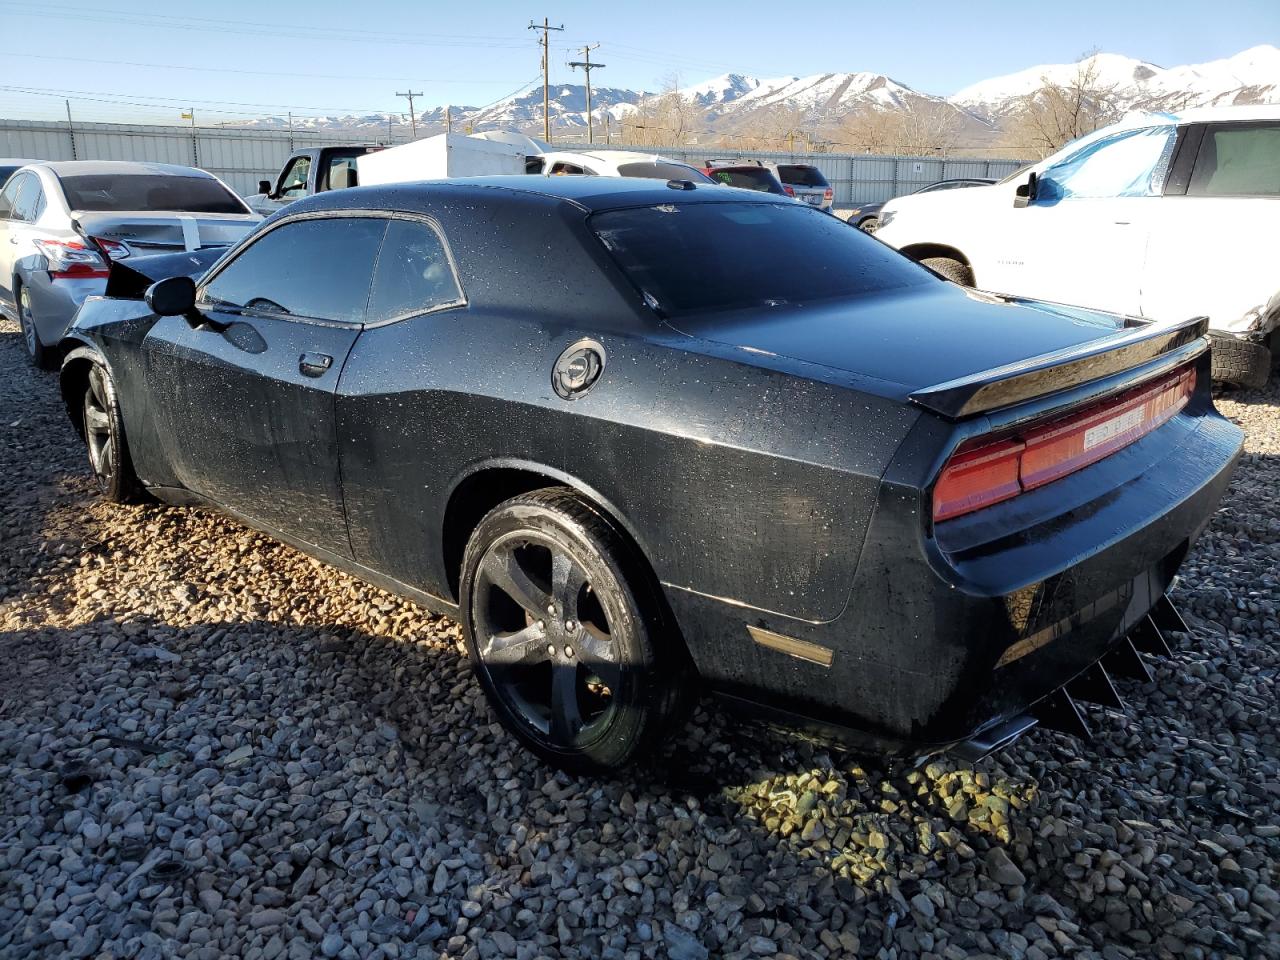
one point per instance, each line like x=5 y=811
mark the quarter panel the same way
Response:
x=739 y=481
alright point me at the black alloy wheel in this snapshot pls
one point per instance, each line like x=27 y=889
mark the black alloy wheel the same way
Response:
x=560 y=641
x=104 y=437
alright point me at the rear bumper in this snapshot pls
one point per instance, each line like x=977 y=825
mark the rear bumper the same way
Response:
x=952 y=636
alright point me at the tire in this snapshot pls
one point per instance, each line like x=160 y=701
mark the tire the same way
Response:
x=562 y=624
x=951 y=269
x=105 y=440
x=870 y=225
x=45 y=358
x=1240 y=363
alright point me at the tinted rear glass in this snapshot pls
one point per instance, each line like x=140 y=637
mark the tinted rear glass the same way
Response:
x=148 y=191
x=6 y=173
x=800 y=175
x=700 y=257
x=750 y=179
x=661 y=171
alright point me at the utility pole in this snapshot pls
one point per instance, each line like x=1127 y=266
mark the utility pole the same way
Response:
x=190 y=114
x=587 y=66
x=413 y=117
x=448 y=119
x=546 y=28
x=71 y=130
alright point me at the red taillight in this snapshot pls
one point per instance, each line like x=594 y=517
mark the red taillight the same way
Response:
x=114 y=249
x=71 y=259
x=987 y=471
x=790 y=191
x=827 y=194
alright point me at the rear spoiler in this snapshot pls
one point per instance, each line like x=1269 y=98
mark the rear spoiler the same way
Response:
x=1015 y=383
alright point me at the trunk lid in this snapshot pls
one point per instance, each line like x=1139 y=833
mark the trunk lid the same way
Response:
x=146 y=233
x=912 y=341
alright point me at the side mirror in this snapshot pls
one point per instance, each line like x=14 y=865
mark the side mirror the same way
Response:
x=264 y=186
x=1026 y=192
x=172 y=296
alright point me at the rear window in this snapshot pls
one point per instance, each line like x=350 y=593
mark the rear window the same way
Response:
x=148 y=191
x=693 y=258
x=801 y=175
x=661 y=170
x=6 y=173
x=749 y=179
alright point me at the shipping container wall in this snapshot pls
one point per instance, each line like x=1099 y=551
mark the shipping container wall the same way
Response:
x=243 y=156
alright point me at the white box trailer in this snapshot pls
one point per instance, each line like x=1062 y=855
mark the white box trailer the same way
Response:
x=444 y=155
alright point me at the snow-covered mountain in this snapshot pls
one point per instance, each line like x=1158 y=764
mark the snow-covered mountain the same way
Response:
x=737 y=102
x=1252 y=76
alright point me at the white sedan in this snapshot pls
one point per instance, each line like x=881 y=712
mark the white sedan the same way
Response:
x=614 y=163
x=1160 y=216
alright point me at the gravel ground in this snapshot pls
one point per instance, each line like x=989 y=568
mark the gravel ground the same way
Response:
x=211 y=745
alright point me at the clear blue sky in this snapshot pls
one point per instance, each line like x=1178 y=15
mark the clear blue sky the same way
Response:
x=254 y=55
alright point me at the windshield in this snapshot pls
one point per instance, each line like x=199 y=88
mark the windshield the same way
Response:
x=691 y=258
x=749 y=178
x=149 y=191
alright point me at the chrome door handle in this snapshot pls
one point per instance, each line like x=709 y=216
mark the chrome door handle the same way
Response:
x=314 y=364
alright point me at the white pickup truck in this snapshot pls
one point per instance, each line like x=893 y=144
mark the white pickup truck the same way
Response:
x=1160 y=216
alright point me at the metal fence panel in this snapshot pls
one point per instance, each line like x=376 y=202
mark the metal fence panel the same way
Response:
x=243 y=156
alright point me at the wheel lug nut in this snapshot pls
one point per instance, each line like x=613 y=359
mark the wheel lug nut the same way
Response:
x=542 y=624
x=571 y=626
x=551 y=649
x=568 y=652
x=551 y=609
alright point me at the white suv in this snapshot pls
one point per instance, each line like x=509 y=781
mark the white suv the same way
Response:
x=1160 y=216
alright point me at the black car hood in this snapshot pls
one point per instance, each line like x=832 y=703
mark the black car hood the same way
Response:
x=911 y=338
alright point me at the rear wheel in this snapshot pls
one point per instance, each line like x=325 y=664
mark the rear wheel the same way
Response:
x=560 y=626
x=952 y=269
x=42 y=356
x=104 y=437
x=870 y=225
x=1240 y=363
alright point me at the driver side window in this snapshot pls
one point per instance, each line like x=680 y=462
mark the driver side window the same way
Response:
x=315 y=269
x=294 y=183
x=1129 y=164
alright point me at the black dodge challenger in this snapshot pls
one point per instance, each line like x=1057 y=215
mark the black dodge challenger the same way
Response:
x=644 y=437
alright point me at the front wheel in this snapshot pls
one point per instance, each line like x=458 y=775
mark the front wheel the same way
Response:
x=40 y=355
x=560 y=625
x=870 y=225
x=104 y=437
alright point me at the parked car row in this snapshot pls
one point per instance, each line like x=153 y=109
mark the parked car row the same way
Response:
x=962 y=511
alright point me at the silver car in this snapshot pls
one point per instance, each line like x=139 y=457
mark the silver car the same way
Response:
x=806 y=183
x=62 y=223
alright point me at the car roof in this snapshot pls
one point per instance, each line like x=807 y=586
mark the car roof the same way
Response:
x=71 y=168
x=16 y=162
x=1262 y=111
x=589 y=193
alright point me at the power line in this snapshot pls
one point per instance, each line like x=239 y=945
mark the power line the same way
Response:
x=413 y=117
x=546 y=29
x=260 y=73
x=587 y=66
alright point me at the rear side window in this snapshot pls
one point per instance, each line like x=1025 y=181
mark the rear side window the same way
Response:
x=342 y=171
x=749 y=179
x=661 y=170
x=801 y=175
x=697 y=258
x=413 y=275
x=1238 y=160
x=149 y=191
x=318 y=269
x=30 y=201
